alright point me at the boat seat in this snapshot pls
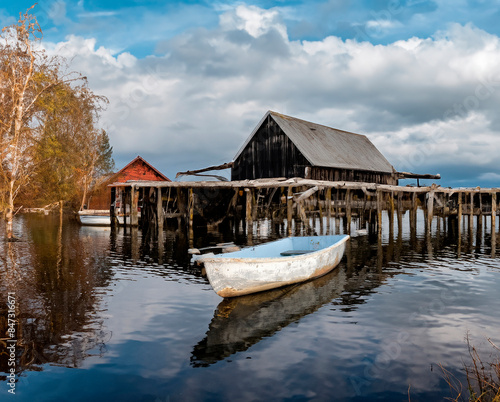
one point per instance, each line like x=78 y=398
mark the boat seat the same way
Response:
x=296 y=252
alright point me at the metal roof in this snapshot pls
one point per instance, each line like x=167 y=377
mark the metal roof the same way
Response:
x=328 y=147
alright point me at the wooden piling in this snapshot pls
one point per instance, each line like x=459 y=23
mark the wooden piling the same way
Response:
x=348 y=210
x=112 y=208
x=328 y=199
x=190 y=216
x=391 y=215
x=289 y=208
x=493 y=212
x=379 y=211
x=249 y=211
x=471 y=214
x=400 y=213
x=459 y=212
x=134 y=205
x=430 y=210
x=413 y=217
x=159 y=209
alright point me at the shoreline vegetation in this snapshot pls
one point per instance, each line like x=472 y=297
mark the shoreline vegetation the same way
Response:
x=51 y=145
x=483 y=377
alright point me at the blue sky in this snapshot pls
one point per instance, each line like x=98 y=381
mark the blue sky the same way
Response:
x=188 y=81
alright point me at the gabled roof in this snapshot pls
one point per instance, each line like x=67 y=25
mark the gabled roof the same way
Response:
x=328 y=147
x=140 y=159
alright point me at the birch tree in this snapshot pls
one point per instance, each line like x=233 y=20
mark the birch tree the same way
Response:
x=26 y=72
x=40 y=103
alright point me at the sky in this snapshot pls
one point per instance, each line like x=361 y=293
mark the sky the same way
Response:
x=188 y=81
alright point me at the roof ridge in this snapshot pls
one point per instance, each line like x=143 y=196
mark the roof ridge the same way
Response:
x=316 y=124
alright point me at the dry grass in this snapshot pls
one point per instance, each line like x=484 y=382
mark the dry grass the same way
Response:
x=483 y=379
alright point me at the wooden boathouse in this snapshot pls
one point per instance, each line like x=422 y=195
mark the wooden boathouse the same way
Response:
x=296 y=174
x=137 y=169
x=284 y=146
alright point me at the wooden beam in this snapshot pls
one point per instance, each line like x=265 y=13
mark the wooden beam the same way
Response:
x=408 y=175
x=207 y=169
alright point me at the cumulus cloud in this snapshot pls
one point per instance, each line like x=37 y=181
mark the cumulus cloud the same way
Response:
x=425 y=102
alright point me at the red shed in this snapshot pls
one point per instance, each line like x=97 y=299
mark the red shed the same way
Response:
x=138 y=169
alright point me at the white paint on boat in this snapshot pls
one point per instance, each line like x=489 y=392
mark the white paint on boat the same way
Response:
x=262 y=267
x=94 y=218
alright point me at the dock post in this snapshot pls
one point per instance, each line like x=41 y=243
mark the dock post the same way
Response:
x=379 y=212
x=249 y=211
x=289 y=210
x=112 y=208
x=134 y=204
x=413 y=218
x=159 y=209
x=328 y=199
x=391 y=215
x=125 y=195
x=348 y=199
x=471 y=214
x=459 y=222
x=459 y=213
x=321 y=205
x=430 y=210
x=400 y=213
x=493 y=223
x=190 y=217
x=493 y=212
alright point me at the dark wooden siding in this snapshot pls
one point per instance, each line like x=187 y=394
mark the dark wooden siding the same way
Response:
x=331 y=174
x=270 y=153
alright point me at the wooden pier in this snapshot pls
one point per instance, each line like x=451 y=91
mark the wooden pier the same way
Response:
x=295 y=203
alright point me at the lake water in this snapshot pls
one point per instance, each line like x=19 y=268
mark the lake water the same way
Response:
x=113 y=316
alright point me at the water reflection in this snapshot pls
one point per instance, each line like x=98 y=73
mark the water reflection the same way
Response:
x=241 y=322
x=69 y=280
x=54 y=271
x=369 y=263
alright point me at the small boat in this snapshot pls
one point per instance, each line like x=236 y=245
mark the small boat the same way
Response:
x=274 y=264
x=94 y=217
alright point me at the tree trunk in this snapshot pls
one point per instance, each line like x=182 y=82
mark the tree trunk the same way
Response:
x=9 y=216
x=84 y=193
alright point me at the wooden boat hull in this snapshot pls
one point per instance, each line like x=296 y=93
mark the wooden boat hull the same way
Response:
x=253 y=270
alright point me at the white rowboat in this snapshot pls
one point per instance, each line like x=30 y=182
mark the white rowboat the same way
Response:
x=274 y=264
x=94 y=217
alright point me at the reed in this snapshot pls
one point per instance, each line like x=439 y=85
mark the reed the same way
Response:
x=483 y=379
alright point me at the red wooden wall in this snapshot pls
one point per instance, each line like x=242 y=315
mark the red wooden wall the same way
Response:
x=138 y=169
